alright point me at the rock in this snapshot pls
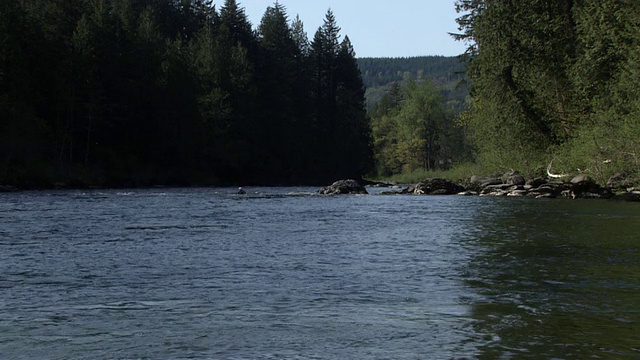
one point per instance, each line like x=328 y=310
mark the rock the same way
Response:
x=537 y=182
x=487 y=190
x=590 y=195
x=380 y=184
x=517 y=193
x=438 y=186
x=342 y=187
x=515 y=179
x=479 y=183
x=408 y=190
x=582 y=178
x=616 y=181
x=543 y=191
x=622 y=182
x=495 y=193
x=583 y=186
x=389 y=192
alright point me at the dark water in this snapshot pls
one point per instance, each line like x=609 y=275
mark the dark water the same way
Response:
x=284 y=274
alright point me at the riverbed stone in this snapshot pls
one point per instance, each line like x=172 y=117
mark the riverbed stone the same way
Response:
x=537 y=182
x=581 y=179
x=438 y=186
x=479 y=182
x=342 y=187
x=516 y=179
x=499 y=190
x=517 y=193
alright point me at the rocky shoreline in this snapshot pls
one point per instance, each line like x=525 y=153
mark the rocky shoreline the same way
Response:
x=509 y=185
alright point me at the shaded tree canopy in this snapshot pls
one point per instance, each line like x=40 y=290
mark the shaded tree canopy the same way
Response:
x=138 y=93
x=554 y=79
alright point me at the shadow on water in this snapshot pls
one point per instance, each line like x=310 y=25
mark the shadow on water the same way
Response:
x=557 y=280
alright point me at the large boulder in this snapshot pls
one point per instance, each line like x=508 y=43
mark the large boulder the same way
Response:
x=515 y=178
x=622 y=182
x=536 y=183
x=583 y=187
x=437 y=186
x=478 y=183
x=342 y=187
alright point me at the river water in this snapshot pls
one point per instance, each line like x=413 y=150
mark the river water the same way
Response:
x=281 y=273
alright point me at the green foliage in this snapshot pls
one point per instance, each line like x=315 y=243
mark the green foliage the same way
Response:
x=553 y=79
x=459 y=173
x=136 y=92
x=413 y=130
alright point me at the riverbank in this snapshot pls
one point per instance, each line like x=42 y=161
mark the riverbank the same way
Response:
x=516 y=185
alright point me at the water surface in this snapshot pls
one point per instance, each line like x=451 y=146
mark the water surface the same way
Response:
x=281 y=273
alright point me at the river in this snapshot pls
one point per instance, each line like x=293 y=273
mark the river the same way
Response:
x=281 y=273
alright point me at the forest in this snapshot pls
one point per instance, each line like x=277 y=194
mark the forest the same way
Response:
x=447 y=72
x=179 y=92
x=175 y=92
x=382 y=71
x=414 y=104
x=554 y=81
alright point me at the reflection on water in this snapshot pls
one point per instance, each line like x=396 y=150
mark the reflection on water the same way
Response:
x=558 y=280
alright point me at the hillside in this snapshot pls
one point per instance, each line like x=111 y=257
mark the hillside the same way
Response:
x=446 y=72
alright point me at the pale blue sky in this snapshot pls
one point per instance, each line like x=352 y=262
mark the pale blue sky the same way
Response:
x=377 y=28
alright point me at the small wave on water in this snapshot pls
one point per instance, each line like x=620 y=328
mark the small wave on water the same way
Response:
x=117 y=306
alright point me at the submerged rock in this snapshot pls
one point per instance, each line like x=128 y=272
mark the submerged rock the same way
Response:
x=343 y=187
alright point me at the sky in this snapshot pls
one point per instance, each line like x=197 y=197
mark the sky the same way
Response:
x=376 y=28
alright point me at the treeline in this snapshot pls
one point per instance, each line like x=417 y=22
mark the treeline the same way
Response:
x=382 y=71
x=415 y=129
x=448 y=73
x=554 y=79
x=175 y=92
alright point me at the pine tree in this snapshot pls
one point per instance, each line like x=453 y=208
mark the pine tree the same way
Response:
x=354 y=127
x=338 y=101
x=300 y=36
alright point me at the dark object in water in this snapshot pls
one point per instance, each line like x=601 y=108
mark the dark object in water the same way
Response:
x=241 y=191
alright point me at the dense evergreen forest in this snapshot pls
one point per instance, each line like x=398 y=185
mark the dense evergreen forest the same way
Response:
x=175 y=92
x=382 y=71
x=179 y=92
x=448 y=73
x=554 y=80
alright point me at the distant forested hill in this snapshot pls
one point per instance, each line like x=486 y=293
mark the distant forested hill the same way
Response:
x=446 y=72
